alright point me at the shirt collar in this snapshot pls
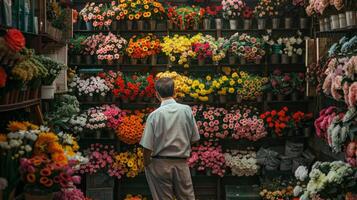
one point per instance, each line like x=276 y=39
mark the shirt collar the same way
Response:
x=167 y=102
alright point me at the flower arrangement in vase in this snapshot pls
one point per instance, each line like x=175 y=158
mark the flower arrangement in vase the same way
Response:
x=292 y=48
x=90 y=45
x=212 y=11
x=131 y=128
x=185 y=17
x=246 y=47
x=242 y=162
x=265 y=9
x=131 y=161
x=89 y=88
x=247 y=17
x=319 y=6
x=76 y=48
x=249 y=87
x=141 y=47
x=276 y=121
x=97 y=16
x=207 y=158
x=232 y=10
x=111 y=48
x=179 y=48
x=280 y=84
x=209 y=47
x=199 y=89
x=144 y=10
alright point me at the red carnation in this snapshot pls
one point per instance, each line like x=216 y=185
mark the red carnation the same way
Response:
x=15 y=40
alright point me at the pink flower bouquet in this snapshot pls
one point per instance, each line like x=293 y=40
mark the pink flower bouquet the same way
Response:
x=209 y=158
x=232 y=9
x=246 y=46
x=111 y=48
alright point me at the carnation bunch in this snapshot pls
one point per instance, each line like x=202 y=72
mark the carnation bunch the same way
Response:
x=101 y=159
x=267 y=8
x=91 y=43
x=99 y=16
x=111 y=48
x=114 y=115
x=207 y=157
x=242 y=162
x=276 y=121
x=92 y=86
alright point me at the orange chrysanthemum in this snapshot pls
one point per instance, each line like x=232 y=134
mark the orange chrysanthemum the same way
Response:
x=131 y=129
x=14 y=126
x=3 y=138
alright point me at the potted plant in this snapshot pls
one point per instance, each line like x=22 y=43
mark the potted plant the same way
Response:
x=186 y=17
x=111 y=49
x=247 y=17
x=54 y=68
x=232 y=10
x=351 y=16
x=143 y=47
x=211 y=12
x=263 y=10
x=76 y=49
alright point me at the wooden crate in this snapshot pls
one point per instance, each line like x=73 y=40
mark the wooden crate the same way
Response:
x=242 y=192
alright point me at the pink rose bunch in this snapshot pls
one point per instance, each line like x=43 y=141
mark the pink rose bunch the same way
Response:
x=114 y=115
x=232 y=9
x=111 y=48
x=239 y=123
x=101 y=158
x=319 y=6
x=70 y=194
x=324 y=120
x=351 y=153
x=208 y=157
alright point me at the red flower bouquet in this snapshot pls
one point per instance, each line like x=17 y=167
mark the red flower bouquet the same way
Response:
x=15 y=40
x=302 y=120
x=212 y=11
x=276 y=121
x=185 y=17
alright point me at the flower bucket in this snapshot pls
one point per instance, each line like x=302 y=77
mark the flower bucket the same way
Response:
x=294 y=96
x=29 y=196
x=129 y=25
x=89 y=26
x=144 y=60
x=321 y=25
x=351 y=18
x=48 y=91
x=303 y=23
x=242 y=61
x=239 y=98
x=206 y=24
x=140 y=24
x=342 y=20
x=288 y=23
x=89 y=98
x=269 y=96
x=280 y=97
x=88 y=59
x=152 y=23
x=307 y=131
x=232 y=60
x=133 y=61
x=222 y=98
x=275 y=23
x=284 y=59
x=8 y=12
x=275 y=58
x=247 y=24
x=261 y=23
x=196 y=26
x=295 y=58
x=218 y=24
x=233 y=23
x=153 y=59
x=170 y=25
x=259 y=98
x=335 y=22
x=327 y=25
x=97 y=134
x=77 y=59
x=201 y=62
x=114 y=26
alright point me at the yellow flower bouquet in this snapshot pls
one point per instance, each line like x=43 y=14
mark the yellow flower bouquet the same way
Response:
x=179 y=49
x=142 y=9
x=131 y=161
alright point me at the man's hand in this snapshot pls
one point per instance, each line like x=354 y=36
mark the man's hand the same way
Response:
x=147 y=157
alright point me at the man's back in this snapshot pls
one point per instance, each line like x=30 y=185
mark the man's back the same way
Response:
x=172 y=128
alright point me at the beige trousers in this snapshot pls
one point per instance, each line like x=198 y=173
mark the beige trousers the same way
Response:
x=169 y=179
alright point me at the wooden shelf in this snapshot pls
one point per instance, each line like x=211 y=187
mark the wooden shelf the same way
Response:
x=337 y=32
x=20 y=105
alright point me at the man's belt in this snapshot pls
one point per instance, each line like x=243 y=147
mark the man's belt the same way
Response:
x=169 y=157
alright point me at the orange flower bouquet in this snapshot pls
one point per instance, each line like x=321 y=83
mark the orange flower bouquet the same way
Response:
x=45 y=176
x=141 y=47
x=131 y=128
x=47 y=143
x=134 y=197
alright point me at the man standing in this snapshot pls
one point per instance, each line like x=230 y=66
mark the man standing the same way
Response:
x=169 y=132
